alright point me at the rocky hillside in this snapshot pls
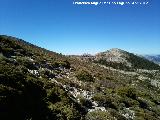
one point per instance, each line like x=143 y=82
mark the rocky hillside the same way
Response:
x=39 y=84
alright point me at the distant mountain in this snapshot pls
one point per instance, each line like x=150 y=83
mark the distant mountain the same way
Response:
x=154 y=58
x=120 y=59
x=38 y=84
x=117 y=56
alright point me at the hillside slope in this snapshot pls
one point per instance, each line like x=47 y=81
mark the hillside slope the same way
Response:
x=39 y=84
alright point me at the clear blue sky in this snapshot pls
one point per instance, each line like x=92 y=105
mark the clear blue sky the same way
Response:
x=60 y=26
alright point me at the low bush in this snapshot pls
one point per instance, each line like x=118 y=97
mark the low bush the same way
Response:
x=85 y=76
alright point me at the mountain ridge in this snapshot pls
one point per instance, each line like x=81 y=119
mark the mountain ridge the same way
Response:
x=154 y=58
x=119 y=58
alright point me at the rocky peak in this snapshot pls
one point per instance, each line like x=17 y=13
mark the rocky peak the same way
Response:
x=112 y=52
x=113 y=55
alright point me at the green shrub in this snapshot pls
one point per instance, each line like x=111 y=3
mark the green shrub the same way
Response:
x=27 y=63
x=130 y=102
x=107 y=101
x=98 y=115
x=7 y=51
x=116 y=114
x=61 y=111
x=85 y=102
x=84 y=76
x=64 y=64
x=100 y=98
x=128 y=92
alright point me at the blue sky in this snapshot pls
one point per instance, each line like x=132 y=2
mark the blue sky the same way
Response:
x=60 y=26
